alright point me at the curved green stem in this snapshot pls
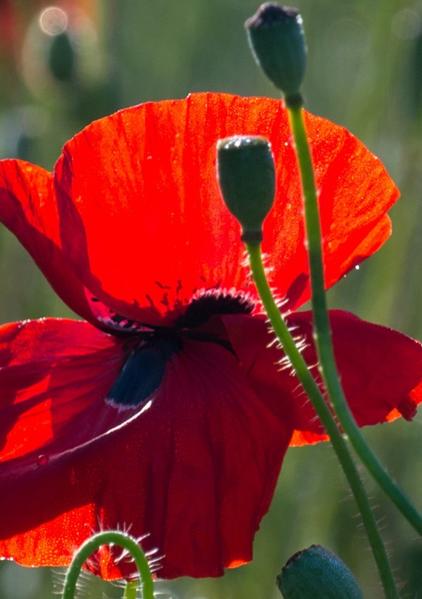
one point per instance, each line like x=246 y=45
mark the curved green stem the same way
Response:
x=323 y=330
x=130 y=590
x=105 y=538
x=314 y=394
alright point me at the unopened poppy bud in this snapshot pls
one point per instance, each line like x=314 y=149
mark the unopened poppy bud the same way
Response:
x=247 y=181
x=277 y=40
x=61 y=57
x=316 y=573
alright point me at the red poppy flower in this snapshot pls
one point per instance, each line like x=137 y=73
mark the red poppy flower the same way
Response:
x=166 y=411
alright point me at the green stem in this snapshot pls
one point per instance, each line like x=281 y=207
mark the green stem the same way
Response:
x=105 y=538
x=130 y=590
x=314 y=394
x=323 y=330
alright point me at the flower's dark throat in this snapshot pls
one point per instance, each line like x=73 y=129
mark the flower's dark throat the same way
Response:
x=150 y=348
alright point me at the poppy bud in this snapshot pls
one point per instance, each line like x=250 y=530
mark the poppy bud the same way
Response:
x=247 y=181
x=277 y=41
x=316 y=573
x=61 y=57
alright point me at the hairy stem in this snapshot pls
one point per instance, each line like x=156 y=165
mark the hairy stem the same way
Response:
x=323 y=339
x=321 y=408
x=105 y=538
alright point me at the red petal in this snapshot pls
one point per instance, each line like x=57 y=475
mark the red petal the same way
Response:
x=52 y=372
x=381 y=370
x=144 y=224
x=262 y=361
x=28 y=208
x=195 y=472
x=355 y=193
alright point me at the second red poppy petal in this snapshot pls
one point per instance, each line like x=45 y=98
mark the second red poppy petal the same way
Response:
x=28 y=209
x=380 y=369
x=192 y=475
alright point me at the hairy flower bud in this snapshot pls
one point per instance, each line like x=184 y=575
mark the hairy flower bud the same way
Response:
x=316 y=573
x=247 y=181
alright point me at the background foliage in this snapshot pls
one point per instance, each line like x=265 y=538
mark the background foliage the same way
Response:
x=365 y=72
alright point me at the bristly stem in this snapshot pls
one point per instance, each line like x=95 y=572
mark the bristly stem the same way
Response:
x=106 y=538
x=314 y=394
x=322 y=327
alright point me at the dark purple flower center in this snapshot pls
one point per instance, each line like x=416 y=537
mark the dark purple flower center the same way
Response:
x=151 y=347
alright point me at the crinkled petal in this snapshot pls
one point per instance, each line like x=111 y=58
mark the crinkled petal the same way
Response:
x=28 y=208
x=380 y=369
x=53 y=374
x=143 y=222
x=354 y=193
x=192 y=475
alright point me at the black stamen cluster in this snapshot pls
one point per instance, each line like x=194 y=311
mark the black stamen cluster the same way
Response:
x=213 y=302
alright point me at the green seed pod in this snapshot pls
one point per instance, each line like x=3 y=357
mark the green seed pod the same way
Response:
x=316 y=573
x=277 y=41
x=247 y=181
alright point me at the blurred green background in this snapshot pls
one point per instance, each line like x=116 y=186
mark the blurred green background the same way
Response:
x=62 y=68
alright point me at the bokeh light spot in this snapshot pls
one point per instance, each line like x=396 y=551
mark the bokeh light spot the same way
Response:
x=53 y=20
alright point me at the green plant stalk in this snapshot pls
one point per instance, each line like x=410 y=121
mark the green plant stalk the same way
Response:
x=311 y=388
x=105 y=538
x=322 y=327
x=130 y=590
